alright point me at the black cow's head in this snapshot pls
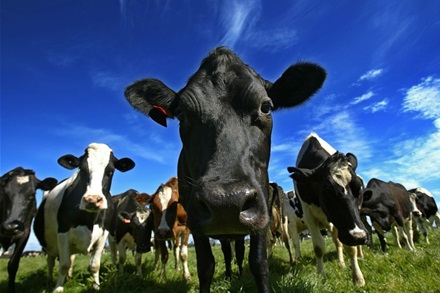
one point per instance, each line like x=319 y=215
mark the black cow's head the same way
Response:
x=138 y=226
x=225 y=128
x=338 y=188
x=95 y=174
x=17 y=200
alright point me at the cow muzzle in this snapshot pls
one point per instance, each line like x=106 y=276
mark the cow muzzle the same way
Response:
x=93 y=203
x=13 y=228
x=238 y=212
x=164 y=234
x=354 y=237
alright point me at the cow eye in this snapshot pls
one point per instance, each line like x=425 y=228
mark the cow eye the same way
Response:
x=266 y=106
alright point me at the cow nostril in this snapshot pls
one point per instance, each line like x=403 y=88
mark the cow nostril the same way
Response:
x=248 y=209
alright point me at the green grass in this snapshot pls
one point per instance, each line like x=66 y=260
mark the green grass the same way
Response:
x=398 y=271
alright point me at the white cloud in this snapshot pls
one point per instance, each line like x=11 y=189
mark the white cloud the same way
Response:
x=376 y=107
x=362 y=98
x=236 y=17
x=424 y=98
x=371 y=74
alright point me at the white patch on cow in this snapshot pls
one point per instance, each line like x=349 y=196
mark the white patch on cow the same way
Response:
x=22 y=179
x=341 y=175
x=141 y=216
x=423 y=190
x=325 y=145
x=164 y=196
x=128 y=241
x=98 y=157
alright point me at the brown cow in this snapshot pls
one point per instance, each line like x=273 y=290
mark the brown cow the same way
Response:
x=170 y=224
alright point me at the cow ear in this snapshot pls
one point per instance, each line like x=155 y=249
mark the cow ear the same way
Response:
x=69 y=162
x=47 y=184
x=353 y=160
x=367 y=194
x=301 y=175
x=124 y=164
x=153 y=98
x=297 y=84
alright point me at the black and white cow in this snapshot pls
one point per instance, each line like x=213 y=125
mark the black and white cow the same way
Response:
x=132 y=229
x=328 y=187
x=225 y=127
x=388 y=206
x=18 y=207
x=72 y=215
x=425 y=203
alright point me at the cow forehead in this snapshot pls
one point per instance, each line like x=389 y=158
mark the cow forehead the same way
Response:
x=340 y=173
x=164 y=195
x=98 y=155
x=22 y=179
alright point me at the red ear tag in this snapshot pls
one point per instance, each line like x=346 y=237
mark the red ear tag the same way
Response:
x=126 y=221
x=164 y=111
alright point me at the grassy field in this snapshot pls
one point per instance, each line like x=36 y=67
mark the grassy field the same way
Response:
x=398 y=271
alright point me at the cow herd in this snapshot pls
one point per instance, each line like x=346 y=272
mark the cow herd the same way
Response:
x=223 y=191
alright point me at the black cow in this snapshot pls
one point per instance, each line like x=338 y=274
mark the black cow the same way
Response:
x=328 y=187
x=388 y=206
x=427 y=206
x=225 y=128
x=132 y=228
x=17 y=209
x=72 y=216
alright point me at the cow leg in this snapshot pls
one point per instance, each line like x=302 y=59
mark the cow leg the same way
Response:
x=184 y=255
x=14 y=261
x=122 y=255
x=138 y=261
x=95 y=259
x=227 y=255
x=176 y=250
x=70 y=272
x=396 y=233
x=356 y=273
x=64 y=261
x=318 y=248
x=239 y=254
x=380 y=235
x=205 y=262
x=338 y=244
x=360 y=251
x=50 y=265
x=285 y=236
x=407 y=232
x=157 y=254
x=258 y=261
x=164 y=258
x=113 y=249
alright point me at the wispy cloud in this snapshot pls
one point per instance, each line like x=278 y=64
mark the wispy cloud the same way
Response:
x=236 y=17
x=379 y=106
x=371 y=74
x=364 y=97
x=424 y=98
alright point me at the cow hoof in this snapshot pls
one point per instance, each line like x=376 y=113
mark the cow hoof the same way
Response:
x=96 y=287
x=58 y=289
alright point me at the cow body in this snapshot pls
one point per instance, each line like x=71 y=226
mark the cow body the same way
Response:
x=17 y=209
x=225 y=128
x=170 y=225
x=132 y=229
x=389 y=208
x=425 y=203
x=72 y=216
x=328 y=188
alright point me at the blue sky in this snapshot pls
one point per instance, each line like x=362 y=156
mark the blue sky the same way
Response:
x=65 y=64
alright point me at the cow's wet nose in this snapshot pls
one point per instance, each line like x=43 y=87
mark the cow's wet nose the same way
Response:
x=163 y=233
x=232 y=212
x=12 y=228
x=417 y=214
x=93 y=202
